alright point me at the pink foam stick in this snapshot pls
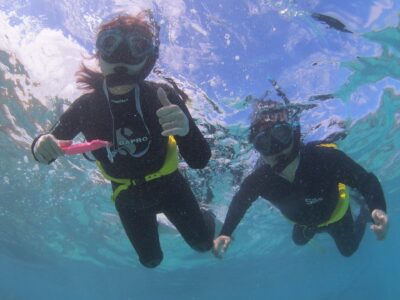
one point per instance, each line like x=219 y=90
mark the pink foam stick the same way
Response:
x=84 y=147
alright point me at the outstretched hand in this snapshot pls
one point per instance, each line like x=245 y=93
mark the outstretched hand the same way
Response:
x=380 y=227
x=171 y=117
x=220 y=246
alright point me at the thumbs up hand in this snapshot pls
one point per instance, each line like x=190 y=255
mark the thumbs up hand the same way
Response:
x=171 y=117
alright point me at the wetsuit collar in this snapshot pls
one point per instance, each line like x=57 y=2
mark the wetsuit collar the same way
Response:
x=294 y=166
x=114 y=150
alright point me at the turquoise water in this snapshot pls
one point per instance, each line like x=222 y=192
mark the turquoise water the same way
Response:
x=60 y=236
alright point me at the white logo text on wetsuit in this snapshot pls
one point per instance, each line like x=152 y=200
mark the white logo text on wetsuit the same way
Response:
x=128 y=144
x=119 y=101
x=311 y=201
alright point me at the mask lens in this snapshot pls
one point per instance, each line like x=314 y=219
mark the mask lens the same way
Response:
x=140 y=46
x=262 y=143
x=273 y=140
x=282 y=133
x=108 y=42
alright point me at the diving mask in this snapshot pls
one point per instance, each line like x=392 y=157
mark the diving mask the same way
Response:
x=116 y=46
x=274 y=139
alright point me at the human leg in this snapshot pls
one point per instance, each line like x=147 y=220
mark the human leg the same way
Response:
x=347 y=233
x=141 y=229
x=196 y=226
x=302 y=234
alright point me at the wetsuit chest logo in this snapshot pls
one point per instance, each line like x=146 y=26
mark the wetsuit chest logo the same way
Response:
x=130 y=143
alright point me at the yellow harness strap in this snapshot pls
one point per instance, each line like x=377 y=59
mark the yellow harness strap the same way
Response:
x=343 y=201
x=170 y=165
x=341 y=207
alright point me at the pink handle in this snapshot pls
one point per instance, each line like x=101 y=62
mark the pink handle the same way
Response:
x=84 y=147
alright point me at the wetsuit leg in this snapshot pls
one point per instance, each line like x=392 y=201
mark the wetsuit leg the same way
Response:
x=347 y=233
x=142 y=231
x=301 y=234
x=181 y=208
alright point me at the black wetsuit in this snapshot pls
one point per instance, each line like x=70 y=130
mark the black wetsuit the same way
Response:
x=131 y=124
x=313 y=195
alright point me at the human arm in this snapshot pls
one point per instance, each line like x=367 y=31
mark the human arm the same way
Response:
x=352 y=174
x=241 y=202
x=47 y=146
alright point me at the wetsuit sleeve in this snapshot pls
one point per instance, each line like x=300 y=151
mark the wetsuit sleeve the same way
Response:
x=351 y=173
x=69 y=124
x=243 y=199
x=193 y=147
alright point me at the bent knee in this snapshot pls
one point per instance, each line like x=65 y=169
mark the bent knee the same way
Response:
x=347 y=252
x=202 y=246
x=300 y=242
x=300 y=239
x=348 y=249
x=301 y=234
x=151 y=262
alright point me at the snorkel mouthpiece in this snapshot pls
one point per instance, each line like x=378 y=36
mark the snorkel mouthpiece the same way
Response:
x=121 y=76
x=121 y=69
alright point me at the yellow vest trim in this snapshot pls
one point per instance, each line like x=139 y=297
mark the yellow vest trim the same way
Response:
x=343 y=201
x=170 y=165
x=341 y=207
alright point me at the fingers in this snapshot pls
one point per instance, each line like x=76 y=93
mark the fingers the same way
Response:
x=44 y=159
x=174 y=131
x=47 y=149
x=379 y=231
x=170 y=126
x=174 y=128
x=226 y=244
x=220 y=246
x=382 y=218
x=375 y=216
x=63 y=143
x=173 y=121
x=162 y=96
x=169 y=114
x=381 y=223
x=51 y=148
x=216 y=249
x=379 y=217
x=376 y=228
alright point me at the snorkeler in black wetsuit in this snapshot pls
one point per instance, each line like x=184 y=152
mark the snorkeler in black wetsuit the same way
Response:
x=306 y=183
x=145 y=122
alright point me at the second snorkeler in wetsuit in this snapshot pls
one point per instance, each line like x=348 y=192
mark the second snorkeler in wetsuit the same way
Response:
x=306 y=183
x=145 y=122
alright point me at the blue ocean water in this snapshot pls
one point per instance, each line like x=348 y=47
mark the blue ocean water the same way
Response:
x=60 y=237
